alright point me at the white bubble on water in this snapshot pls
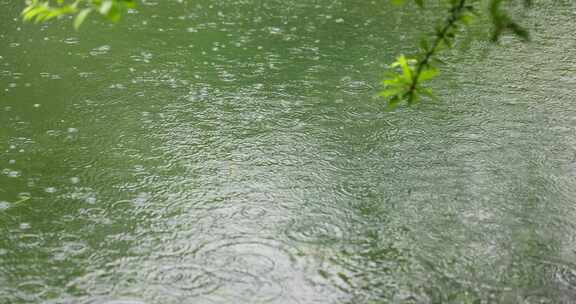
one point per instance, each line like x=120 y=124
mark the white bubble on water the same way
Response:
x=274 y=30
x=50 y=190
x=13 y=173
x=118 y=86
x=4 y=205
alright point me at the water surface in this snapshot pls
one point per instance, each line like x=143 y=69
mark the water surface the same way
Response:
x=233 y=152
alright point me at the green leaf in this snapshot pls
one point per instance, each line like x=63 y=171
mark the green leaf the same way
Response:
x=79 y=19
x=396 y=81
x=391 y=92
x=404 y=65
x=519 y=31
x=129 y=3
x=420 y=3
x=428 y=74
x=467 y=19
x=27 y=9
x=114 y=14
x=30 y=14
x=106 y=6
x=44 y=10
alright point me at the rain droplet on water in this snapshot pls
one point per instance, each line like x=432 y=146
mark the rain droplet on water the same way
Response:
x=4 y=205
x=50 y=190
x=13 y=173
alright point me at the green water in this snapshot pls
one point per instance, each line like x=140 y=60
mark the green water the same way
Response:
x=233 y=152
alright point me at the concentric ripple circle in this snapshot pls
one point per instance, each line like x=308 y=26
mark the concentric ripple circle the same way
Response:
x=319 y=230
x=110 y=300
x=566 y=276
x=251 y=270
x=187 y=280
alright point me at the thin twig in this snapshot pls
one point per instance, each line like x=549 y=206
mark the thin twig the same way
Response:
x=21 y=201
x=451 y=21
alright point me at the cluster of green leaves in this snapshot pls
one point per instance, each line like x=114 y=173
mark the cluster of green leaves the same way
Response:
x=403 y=81
x=44 y=10
x=502 y=21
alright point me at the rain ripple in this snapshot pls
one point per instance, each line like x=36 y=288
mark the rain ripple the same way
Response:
x=183 y=280
x=316 y=230
x=235 y=269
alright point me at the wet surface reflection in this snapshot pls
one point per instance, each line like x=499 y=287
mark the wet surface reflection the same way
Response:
x=233 y=152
